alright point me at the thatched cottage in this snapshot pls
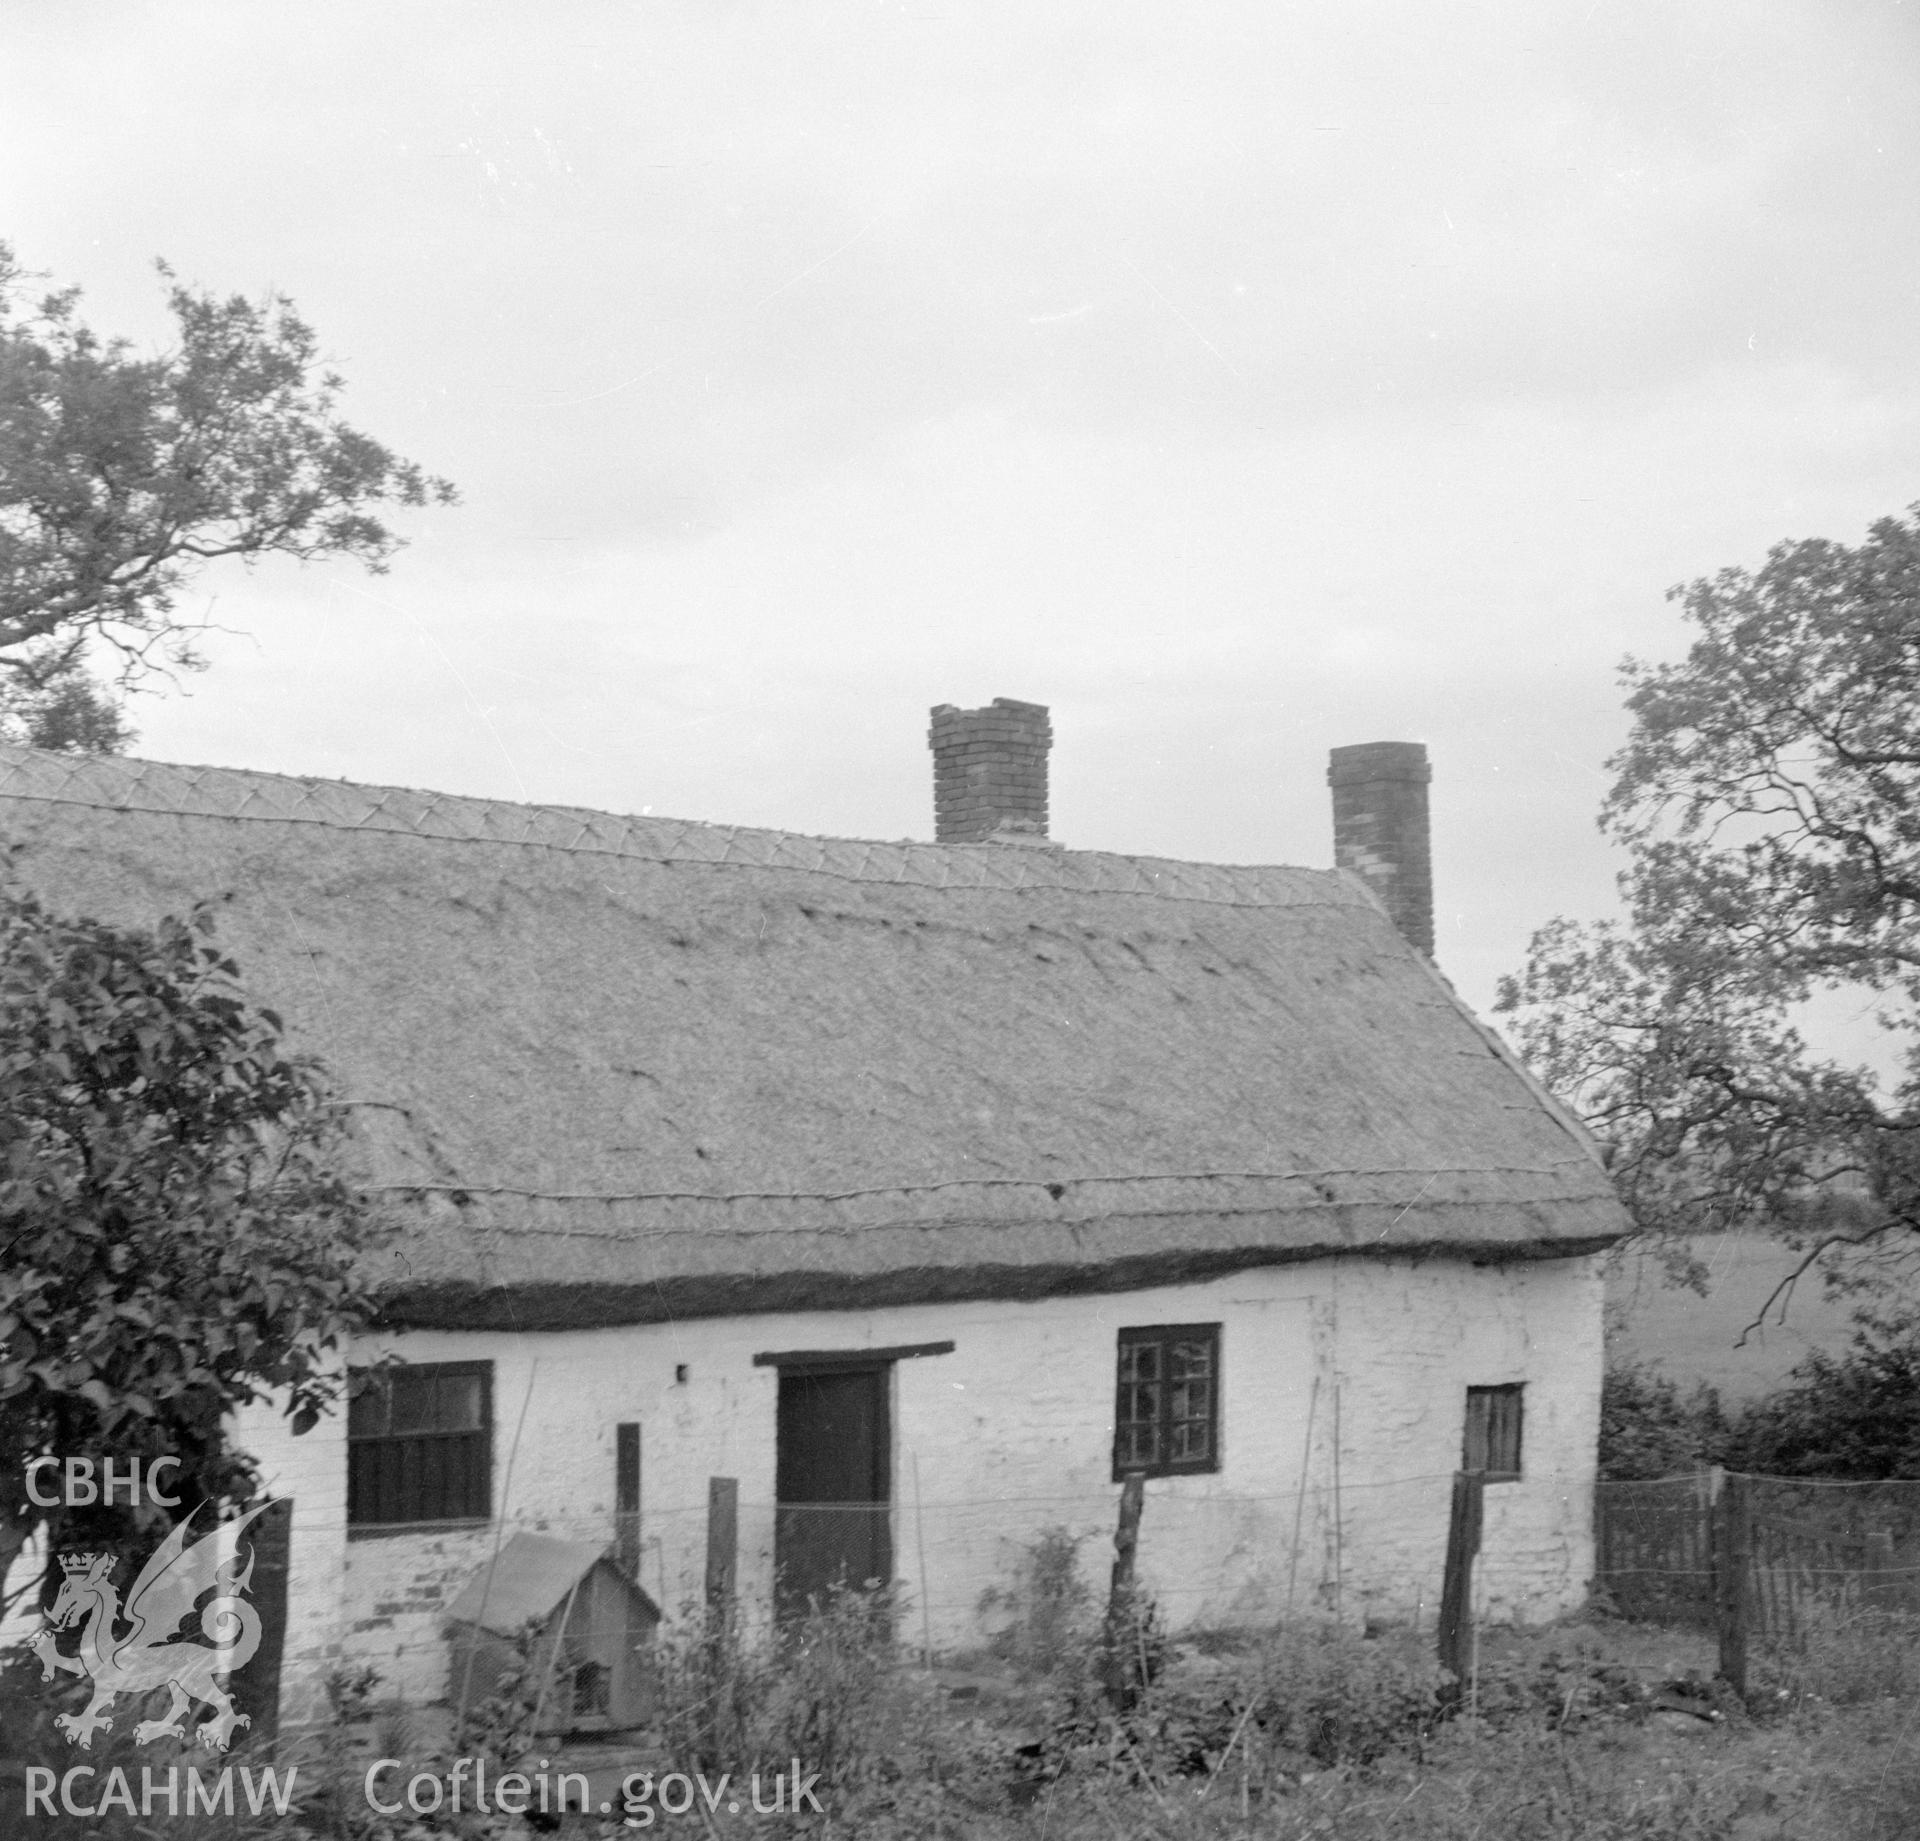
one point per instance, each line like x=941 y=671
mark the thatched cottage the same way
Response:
x=921 y=1189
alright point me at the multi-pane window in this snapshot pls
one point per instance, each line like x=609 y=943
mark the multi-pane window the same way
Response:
x=1166 y=1418
x=420 y=1443
x=1492 y=1445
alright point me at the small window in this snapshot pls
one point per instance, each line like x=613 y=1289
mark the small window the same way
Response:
x=420 y=1443
x=1492 y=1446
x=591 y=1691
x=1166 y=1418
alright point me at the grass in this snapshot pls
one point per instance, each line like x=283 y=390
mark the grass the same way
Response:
x=1590 y=1731
x=1694 y=1338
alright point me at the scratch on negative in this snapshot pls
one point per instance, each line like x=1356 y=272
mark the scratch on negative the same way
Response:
x=1395 y=1222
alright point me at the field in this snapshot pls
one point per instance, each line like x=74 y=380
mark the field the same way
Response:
x=1694 y=1338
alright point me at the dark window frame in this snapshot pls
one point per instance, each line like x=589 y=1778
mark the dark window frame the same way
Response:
x=1166 y=1422
x=1492 y=1443
x=382 y=1502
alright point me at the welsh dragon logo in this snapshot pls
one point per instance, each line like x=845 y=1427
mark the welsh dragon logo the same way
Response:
x=169 y=1587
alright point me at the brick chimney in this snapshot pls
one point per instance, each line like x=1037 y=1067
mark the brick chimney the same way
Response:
x=990 y=771
x=1380 y=829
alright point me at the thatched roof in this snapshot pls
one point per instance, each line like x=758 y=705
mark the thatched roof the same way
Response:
x=624 y=1069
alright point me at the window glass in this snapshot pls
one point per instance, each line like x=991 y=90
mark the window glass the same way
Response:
x=1167 y=1403
x=1491 y=1445
x=419 y=1444
x=459 y=1403
x=366 y=1406
x=410 y=1402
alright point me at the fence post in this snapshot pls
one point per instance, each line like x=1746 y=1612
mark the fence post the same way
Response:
x=626 y=1497
x=1732 y=1558
x=1456 y=1588
x=256 y=1686
x=1122 y=1619
x=723 y=1545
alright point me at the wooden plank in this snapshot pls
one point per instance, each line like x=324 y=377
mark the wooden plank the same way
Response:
x=1801 y=1526
x=1653 y=1549
x=1122 y=1675
x=626 y=1497
x=255 y=1687
x=1456 y=1587
x=848 y=1358
x=1732 y=1564
x=723 y=1544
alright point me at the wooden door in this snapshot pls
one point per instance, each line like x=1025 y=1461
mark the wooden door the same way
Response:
x=831 y=1520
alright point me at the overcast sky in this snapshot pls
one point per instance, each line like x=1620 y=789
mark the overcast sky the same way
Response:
x=1239 y=380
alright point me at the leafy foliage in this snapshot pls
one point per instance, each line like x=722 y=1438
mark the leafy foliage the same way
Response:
x=1856 y=1415
x=178 y=1241
x=120 y=475
x=1341 y=1700
x=1767 y=794
x=1647 y=1429
x=1044 y=1615
x=1300 y=1697
x=50 y=700
x=828 y=1688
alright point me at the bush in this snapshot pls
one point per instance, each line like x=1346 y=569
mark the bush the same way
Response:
x=1339 y=1700
x=1855 y=1415
x=829 y=1689
x=1648 y=1430
x=1308 y=1696
x=1048 y=1608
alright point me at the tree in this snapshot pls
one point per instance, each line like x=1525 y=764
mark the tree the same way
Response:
x=1648 y=1430
x=1854 y=1415
x=55 y=703
x=1769 y=798
x=177 y=1240
x=121 y=475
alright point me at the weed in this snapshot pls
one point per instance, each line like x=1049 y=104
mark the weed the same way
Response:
x=1047 y=1608
x=1846 y=1653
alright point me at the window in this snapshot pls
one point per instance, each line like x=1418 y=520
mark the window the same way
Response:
x=1166 y=1418
x=420 y=1443
x=591 y=1691
x=1493 y=1433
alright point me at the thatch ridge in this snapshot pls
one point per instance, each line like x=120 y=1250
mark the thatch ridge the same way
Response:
x=246 y=796
x=608 y=1069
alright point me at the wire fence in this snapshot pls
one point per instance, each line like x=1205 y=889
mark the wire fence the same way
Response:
x=965 y=1570
x=1771 y=1552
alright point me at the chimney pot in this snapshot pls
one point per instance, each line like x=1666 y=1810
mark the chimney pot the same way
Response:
x=990 y=771
x=1380 y=829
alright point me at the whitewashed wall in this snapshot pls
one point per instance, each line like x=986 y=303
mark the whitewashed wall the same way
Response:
x=312 y=1470
x=1011 y=1434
